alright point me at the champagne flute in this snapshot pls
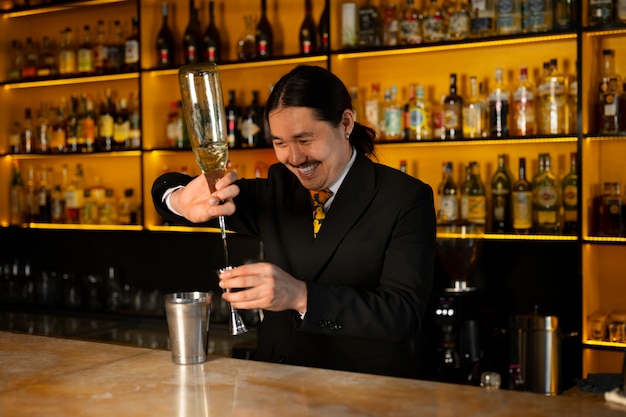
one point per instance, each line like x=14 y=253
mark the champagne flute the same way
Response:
x=203 y=108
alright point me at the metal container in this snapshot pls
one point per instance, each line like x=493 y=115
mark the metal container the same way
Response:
x=537 y=348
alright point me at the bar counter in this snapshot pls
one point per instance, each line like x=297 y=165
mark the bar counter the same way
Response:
x=48 y=376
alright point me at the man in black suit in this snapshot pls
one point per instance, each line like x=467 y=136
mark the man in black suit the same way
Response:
x=352 y=297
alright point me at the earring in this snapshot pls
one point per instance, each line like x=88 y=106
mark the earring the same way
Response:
x=347 y=135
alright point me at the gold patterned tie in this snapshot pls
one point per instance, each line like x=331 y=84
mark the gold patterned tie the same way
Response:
x=319 y=198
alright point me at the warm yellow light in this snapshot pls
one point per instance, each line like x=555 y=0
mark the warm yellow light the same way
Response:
x=34 y=156
x=499 y=236
x=67 y=81
x=59 y=226
x=52 y=9
x=604 y=344
x=605 y=239
x=156 y=228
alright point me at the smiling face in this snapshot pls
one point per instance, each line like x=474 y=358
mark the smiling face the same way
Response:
x=315 y=151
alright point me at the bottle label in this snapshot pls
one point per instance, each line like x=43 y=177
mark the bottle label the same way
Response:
x=410 y=33
x=433 y=28
x=131 y=55
x=121 y=132
x=85 y=61
x=547 y=196
x=522 y=210
x=371 y=113
x=451 y=119
x=106 y=126
x=570 y=196
x=393 y=123
x=448 y=208
x=417 y=118
x=476 y=212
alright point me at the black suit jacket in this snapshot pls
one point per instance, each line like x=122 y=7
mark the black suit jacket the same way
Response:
x=368 y=272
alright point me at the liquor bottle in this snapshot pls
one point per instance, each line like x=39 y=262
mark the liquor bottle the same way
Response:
x=128 y=210
x=16 y=197
x=174 y=129
x=349 y=27
x=612 y=211
x=447 y=197
x=67 y=54
x=71 y=126
x=564 y=14
x=87 y=125
x=391 y=25
x=553 y=102
x=58 y=131
x=499 y=107
x=435 y=26
x=393 y=115
x=570 y=198
x=373 y=110
x=483 y=18
x=473 y=200
x=357 y=104
x=252 y=124
x=410 y=25
x=537 y=16
x=501 y=198
x=524 y=123
x=620 y=8
x=610 y=89
x=165 y=48
x=28 y=133
x=246 y=45
x=15 y=140
x=439 y=131
x=601 y=13
x=572 y=106
x=47 y=63
x=44 y=195
x=459 y=21
x=31 y=59
x=85 y=53
x=212 y=40
x=16 y=61
x=508 y=17
x=42 y=130
x=107 y=209
x=131 y=48
x=522 y=202
x=475 y=114
x=263 y=34
x=323 y=30
x=453 y=112
x=74 y=196
x=308 y=31
x=192 y=38
x=403 y=167
x=419 y=116
x=57 y=205
x=134 y=120
x=105 y=123
x=121 y=127
x=546 y=199
x=31 y=197
x=369 y=25
x=233 y=120
x=116 y=49
x=100 y=50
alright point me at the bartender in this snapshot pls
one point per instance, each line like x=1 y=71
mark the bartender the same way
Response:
x=349 y=243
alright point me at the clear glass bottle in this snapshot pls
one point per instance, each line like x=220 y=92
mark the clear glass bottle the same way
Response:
x=553 y=102
x=570 y=198
x=453 y=112
x=246 y=45
x=373 y=110
x=420 y=116
x=538 y=16
x=28 y=133
x=67 y=54
x=508 y=17
x=610 y=90
x=435 y=28
x=475 y=115
x=391 y=24
x=393 y=116
x=546 y=199
x=524 y=123
x=459 y=20
x=75 y=196
x=410 y=24
x=522 y=202
x=447 y=196
x=85 y=53
x=499 y=107
x=501 y=198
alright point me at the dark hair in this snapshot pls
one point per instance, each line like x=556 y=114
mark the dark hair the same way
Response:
x=323 y=92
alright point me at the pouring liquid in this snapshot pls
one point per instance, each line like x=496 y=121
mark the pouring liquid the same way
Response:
x=211 y=176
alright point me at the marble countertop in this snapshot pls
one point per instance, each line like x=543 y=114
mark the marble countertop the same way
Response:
x=48 y=376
